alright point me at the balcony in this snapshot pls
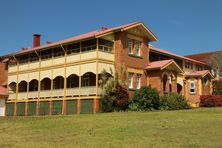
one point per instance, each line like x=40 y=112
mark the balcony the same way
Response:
x=56 y=93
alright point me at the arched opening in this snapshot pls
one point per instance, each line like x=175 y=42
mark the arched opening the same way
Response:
x=72 y=81
x=58 y=83
x=46 y=84
x=33 y=85
x=179 y=88
x=22 y=86
x=12 y=87
x=164 y=82
x=88 y=79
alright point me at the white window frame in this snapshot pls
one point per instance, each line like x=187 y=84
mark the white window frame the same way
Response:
x=130 y=80
x=130 y=46
x=138 y=81
x=138 y=47
x=85 y=80
x=192 y=87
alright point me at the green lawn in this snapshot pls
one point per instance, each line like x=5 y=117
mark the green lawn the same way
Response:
x=186 y=128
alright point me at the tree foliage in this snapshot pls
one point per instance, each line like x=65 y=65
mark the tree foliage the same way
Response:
x=173 y=102
x=114 y=95
x=215 y=61
x=146 y=98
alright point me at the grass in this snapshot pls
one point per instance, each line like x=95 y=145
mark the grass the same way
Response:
x=185 y=128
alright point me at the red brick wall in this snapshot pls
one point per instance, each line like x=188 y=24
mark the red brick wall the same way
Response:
x=206 y=88
x=3 y=73
x=155 y=80
x=122 y=56
x=195 y=97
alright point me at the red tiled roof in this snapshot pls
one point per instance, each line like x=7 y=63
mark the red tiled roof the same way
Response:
x=3 y=91
x=92 y=34
x=197 y=73
x=202 y=56
x=158 y=64
x=152 y=48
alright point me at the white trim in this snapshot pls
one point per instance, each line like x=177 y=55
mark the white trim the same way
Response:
x=192 y=87
x=130 y=79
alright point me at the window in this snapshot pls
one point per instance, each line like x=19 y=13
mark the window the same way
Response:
x=192 y=87
x=137 y=45
x=35 y=85
x=130 y=77
x=105 y=45
x=188 y=65
x=85 y=81
x=198 y=67
x=88 y=45
x=206 y=80
x=130 y=46
x=58 y=52
x=73 y=48
x=138 y=81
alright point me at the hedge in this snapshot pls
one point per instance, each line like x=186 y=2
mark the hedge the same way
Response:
x=210 y=100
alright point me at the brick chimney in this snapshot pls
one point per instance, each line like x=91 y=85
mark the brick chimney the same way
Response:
x=36 y=40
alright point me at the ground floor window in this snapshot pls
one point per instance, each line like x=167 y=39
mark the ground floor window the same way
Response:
x=130 y=80
x=192 y=87
x=138 y=81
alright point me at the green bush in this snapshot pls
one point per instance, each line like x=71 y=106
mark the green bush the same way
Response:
x=173 y=102
x=114 y=95
x=146 y=98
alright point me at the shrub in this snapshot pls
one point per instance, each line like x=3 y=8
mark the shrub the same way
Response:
x=211 y=100
x=173 y=102
x=146 y=98
x=114 y=95
x=121 y=98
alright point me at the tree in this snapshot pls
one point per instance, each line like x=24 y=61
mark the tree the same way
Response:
x=215 y=61
x=114 y=95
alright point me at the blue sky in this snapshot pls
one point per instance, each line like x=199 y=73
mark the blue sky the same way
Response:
x=182 y=26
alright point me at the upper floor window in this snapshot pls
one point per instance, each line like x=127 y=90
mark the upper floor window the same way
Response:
x=130 y=80
x=46 y=54
x=58 y=52
x=23 y=59
x=137 y=46
x=188 y=65
x=73 y=48
x=33 y=57
x=130 y=46
x=85 y=81
x=88 y=45
x=138 y=81
x=199 y=67
x=105 y=45
x=192 y=87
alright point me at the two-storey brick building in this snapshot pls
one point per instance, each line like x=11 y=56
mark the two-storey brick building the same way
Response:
x=62 y=77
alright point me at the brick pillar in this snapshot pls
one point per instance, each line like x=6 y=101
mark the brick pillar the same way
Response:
x=96 y=105
x=64 y=107
x=78 y=106
x=50 y=107
x=26 y=108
